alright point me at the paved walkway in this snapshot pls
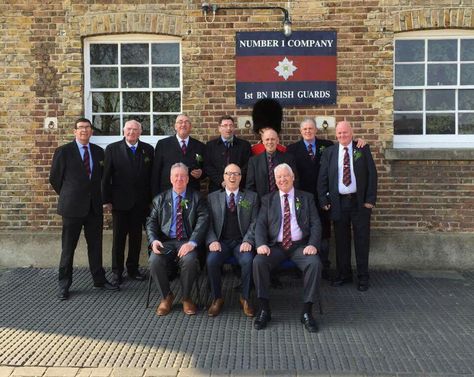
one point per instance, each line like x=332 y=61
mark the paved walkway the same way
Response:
x=407 y=324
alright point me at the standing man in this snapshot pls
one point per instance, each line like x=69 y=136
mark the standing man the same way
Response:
x=178 y=148
x=226 y=149
x=76 y=173
x=347 y=188
x=287 y=227
x=126 y=191
x=176 y=226
x=233 y=214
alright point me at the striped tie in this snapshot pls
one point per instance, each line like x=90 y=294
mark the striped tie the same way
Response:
x=87 y=160
x=286 y=241
x=232 y=202
x=183 y=147
x=346 y=171
x=271 y=175
x=179 y=219
x=310 y=151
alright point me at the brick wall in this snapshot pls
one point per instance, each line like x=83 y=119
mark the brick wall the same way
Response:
x=41 y=75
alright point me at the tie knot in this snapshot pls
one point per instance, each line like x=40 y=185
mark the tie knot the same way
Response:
x=85 y=147
x=183 y=142
x=133 y=148
x=286 y=196
x=232 y=195
x=179 y=198
x=346 y=149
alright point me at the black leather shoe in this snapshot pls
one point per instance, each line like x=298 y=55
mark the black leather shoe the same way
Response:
x=340 y=281
x=63 y=294
x=137 y=276
x=117 y=279
x=106 y=286
x=309 y=322
x=363 y=286
x=263 y=317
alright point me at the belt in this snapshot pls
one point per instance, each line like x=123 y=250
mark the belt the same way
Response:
x=348 y=196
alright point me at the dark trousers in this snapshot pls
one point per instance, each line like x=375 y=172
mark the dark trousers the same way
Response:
x=309 y=265
x=215 y=260
x=72 y=227
x=188 y=266
x=352 y=216
x=127 y=223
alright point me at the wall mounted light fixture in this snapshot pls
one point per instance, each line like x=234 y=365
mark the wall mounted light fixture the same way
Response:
x=208 y=9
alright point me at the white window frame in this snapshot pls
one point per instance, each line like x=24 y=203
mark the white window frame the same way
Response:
x=434 y=141
x=103 y=141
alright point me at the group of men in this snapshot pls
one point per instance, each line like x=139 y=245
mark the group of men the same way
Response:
x=260 y=209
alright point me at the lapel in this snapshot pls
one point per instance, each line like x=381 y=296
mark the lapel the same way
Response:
x=277 y=208
x=96 y=162
x=298 y=207
x=125 y=157
x=139 y=156
x=222 y=205
x=77 y=158
x=240 y=210
x=167 y=211
x=304 y=152
x=186 y=211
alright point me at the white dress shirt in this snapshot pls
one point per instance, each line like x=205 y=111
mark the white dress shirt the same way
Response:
x=352 y=188
x=296 y=233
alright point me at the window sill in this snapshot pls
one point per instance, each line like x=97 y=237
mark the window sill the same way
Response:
x=409 y=154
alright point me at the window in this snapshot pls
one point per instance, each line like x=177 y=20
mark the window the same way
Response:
x=434 y=90
x=132 y=78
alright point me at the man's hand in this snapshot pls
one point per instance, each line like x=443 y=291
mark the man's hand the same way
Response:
x=107 y=206
x=263 y=250
x=245 y=247
x=327 y=207
x=196 y=173
x=310 y=250
x=361 y=143
x=368 y=205
x=185 y=249
x=155 y=247
x=215 y=246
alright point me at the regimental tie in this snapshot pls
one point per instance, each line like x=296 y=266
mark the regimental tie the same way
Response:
x=232 y=202
x=179 y=219
x=286 y=241
x=346 y=170
x=271 y=174
x=227 y=152
x=183 y=147
x=87 y=160
x=310 y=151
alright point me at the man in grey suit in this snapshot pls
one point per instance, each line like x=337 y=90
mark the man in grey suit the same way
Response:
x=288 y=227
x=233 y=213
x=176 y=226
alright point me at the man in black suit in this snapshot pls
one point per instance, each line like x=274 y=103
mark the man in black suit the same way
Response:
x=126 y=191
x=226 y=149
x=347 y=187
x=288 y=227
x=76 y=173
x=178 y=148
x=176 y=226
x=233 y=213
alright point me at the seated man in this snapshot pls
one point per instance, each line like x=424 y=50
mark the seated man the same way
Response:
x=177 y=224
x=288 y=227
x=233 y=214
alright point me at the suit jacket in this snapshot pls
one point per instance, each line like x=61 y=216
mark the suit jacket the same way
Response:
x=168 y=152
x=215 y=161
x=365 y=173
x=77 y=192
x=127 y=177
x=195 y=217
x=247 y=209
x=269 y=219
x=257 y=171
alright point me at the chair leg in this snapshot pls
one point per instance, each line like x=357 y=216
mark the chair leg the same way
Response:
x=148 y=292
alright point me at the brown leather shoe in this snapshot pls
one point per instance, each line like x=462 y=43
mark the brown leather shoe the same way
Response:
x=247 y=308
x=165 y=305
x=215 y=307
x=189 y=307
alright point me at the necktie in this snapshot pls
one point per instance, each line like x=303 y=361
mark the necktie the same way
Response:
x=227 y=152
x=232 y=202
x=183 y=146
x=271 y=175
x=310 y=151
x=87 y=160
x=179 y=219
x=133 y=148
x=346 y=170
x=286 y=241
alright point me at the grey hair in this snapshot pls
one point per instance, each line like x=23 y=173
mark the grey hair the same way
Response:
x=179 y=165
x=134 y=122
x=284 y=166
x=308 y=120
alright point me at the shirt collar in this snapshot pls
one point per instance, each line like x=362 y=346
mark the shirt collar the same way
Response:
x=231 y=140
x=185 y=140
x=175 y=194
x=131 y=145
x=291 y=194
x=81 y=146
x=236 y=192
x=349 y=148
x=313 y=143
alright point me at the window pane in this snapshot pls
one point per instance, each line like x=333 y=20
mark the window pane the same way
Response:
x=408 y=124
x=408 y=100
x=466 y=99
x=106 y=125
x=103 y=54
x=166 y=102
x=443 y=50
x=442 y=74
x=136 y=102
x=165 y=77
x=440 y=124
x=409 y=75
x=467 y=74
x=108 y=102
x=163 y=124
x=104 y=77
x=409 y=51
x=466 y=124
x=467 y=49
x=143 y=119
x=134 y=53
x=440 y=99
x=165 y=53
x=134 y=77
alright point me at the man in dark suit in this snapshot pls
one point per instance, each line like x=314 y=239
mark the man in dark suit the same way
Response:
x=126 y=191
x=178 y=148
x=347 y=187
x=177 y=224
x=260 y=177
x=288 y=227
x=76 y=173
x=233 y=213
x=226 y=149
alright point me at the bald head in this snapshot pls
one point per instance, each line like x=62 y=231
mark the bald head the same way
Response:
x=344 y=133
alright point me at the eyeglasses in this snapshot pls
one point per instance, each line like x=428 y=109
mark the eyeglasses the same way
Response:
x=232 y=174
x=226 y=125
x=83 y=128
x=183 y=122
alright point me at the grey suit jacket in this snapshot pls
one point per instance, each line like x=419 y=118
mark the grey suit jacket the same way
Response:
x=247 y=209
x=269 y=219
x=195 y=217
